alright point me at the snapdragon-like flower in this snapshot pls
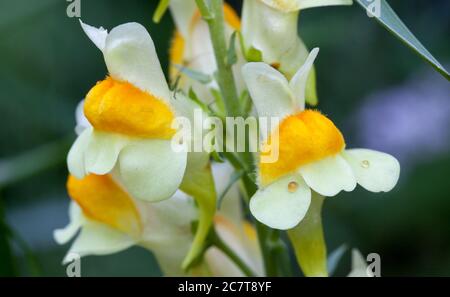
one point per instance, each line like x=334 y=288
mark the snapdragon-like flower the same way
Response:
x=108 y=220
x=131 y=116
x=191 y=47
x=271 y=27
x=312 y=154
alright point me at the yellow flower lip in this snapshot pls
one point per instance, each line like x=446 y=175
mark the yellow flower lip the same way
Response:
x=119 y=107
x=104 y=201
x=304 y=138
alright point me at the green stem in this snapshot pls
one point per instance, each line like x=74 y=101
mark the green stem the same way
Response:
x=221 y=245
x=214 y=16
x=204 y=10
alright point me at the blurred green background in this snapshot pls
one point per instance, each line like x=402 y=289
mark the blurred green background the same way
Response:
x=376 y=90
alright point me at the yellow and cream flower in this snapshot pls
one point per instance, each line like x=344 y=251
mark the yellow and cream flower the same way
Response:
x=312 y=154
x=108 y=220
x=130 y=116
x=191 y=47
x=271 y=26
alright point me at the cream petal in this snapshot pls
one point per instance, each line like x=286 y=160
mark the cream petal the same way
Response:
x=96 y=35
x=103 y=151
x=299 y=82
x=202 y=52
x=280 y=208
x=329 y=176
x=295 y=5
x=75 y=158
x=374 y=171
x=275 y=34
x=183 y=12
x=98 y=239
x=130 y=55
x=151 y=170
x=359 y=265
x=82 y=122
x=64 y=235
x=269 y=90
x=167 y=231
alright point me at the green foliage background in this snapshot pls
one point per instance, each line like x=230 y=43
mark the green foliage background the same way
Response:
x=47 y=65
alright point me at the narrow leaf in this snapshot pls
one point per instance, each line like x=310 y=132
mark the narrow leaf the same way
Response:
x=385 y=15
x=231 y=54
x=160 y=10
x=195 y=75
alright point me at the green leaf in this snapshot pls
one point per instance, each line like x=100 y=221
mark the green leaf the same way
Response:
x=386 y=16
x=233 y=179
x=160 y=10
x=231 y=54
x=195 y=75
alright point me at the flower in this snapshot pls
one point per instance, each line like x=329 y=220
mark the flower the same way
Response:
x=271 y=27
x=191 y=47
x=312 y=154
x=111 y=220
x=130 y=114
